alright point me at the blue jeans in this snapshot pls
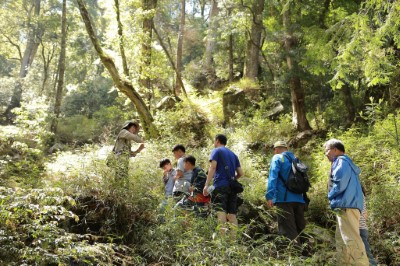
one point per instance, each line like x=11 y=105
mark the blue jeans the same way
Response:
x=364 y=237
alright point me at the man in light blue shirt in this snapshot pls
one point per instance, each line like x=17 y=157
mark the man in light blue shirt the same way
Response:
x=182 y=177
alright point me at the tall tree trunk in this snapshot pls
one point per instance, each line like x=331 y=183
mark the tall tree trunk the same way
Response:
x=230 y=51
x=124 y=85
x=212 y=35
x=145 y=81
x=35 y=34
x=253 y=44
x=61 y=68
x=348 y=102
x=171 y=61
x=202 y=4
x=297 y=94
x=46 y=58
x=121 y=39
x=230 y=57
x=179 y=49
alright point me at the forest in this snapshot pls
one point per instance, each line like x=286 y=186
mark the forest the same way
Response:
x=72 y=72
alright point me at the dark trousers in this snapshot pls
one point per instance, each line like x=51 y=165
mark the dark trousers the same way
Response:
x=291 y=219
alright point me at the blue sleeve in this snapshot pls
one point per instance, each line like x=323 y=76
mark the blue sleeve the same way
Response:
x=273 y=178
x=340 y=178
x=237 y=161
x=214 y=155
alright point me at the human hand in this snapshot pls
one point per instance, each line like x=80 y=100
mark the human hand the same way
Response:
x=270 y=204
x=141 y=147
x=205 y=191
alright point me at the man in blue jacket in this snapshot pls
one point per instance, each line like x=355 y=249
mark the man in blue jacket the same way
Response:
x=346 y=199
x=291 y=219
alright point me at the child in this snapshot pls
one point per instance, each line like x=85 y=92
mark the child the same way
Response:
x=197 y=181
x=168 y=176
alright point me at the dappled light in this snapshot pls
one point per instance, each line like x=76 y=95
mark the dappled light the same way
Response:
x=123 y=125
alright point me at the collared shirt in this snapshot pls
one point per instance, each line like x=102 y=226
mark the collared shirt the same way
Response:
x=182 y=184
x=123 y=142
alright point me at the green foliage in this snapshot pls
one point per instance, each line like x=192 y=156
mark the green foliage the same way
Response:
x=258 y=128
x=89 y=97
x=77 y=128
x=103 y=126
x=33 y=231
x=22 y=146
x=187 y=124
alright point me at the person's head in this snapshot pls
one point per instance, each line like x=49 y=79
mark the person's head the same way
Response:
x=178 y=151
x=280 y=147
x=131 y=126
x=165 y=164
x=333 y=149
x=220 y=140
x=190 y=162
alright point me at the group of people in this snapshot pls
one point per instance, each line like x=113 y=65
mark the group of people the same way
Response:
x=345 y=192
x=345 y=195
x=189 y=179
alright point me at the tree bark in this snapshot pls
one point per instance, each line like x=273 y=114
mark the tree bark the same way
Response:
x=171 y=61
x=230 y=57
x=202 y=4
x=348 y=102
x=35 y=34
x=145 y=81
x=297 y=94
x=61 y=68
x=178 y=87
x=47 y=58
x=124 y=85
x=208 y=62
x=252 y=62
x=121 y=39
x=230 y=51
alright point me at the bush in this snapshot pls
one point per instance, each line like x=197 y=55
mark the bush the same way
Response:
x=34 y=231
x=188 y=125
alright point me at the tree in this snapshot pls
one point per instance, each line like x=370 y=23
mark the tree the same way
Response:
x=179 y=49
x=253 y=44
x=211 y=44
x=124 y=85
x=121 y=39
x=61 y=68
x=145 y=81
x=35 y=33
x=297 y=94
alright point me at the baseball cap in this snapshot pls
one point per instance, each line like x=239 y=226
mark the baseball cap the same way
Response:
x=280 y=143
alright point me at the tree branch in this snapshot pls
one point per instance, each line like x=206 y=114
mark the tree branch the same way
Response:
x=121 y=39
x=171 y=61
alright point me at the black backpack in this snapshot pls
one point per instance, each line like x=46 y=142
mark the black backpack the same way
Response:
x=198 y=179
x=298 y=181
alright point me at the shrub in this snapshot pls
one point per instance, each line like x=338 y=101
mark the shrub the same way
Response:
x=188 y=124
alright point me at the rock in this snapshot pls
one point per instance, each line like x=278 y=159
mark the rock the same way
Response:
x=56 y=147
x=236 y=100
x=166 y=103
x=301 y=139
x=276 y=110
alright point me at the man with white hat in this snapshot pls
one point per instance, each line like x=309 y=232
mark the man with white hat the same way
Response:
x=291 y=218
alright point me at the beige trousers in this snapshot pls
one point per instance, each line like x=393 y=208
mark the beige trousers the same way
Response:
x=349 y=245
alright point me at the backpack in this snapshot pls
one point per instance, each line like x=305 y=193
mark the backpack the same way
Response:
x=198 y=179
x=298 y=181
